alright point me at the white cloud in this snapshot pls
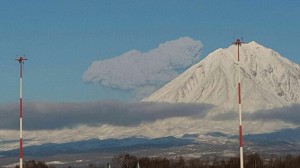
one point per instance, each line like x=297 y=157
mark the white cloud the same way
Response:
x=145 y=72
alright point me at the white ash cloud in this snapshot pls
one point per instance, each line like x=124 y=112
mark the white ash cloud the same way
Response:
x=145 y=72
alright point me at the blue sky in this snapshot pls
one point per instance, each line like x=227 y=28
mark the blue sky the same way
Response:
x=61 y=38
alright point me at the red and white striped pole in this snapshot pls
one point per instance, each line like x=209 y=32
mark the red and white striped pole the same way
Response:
x=21 y=61
x=239 y=43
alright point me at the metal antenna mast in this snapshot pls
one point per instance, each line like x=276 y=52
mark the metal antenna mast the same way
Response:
x=21 y=61
x=238 y=42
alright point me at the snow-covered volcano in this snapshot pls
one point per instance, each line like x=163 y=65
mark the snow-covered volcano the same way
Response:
x=268 y=80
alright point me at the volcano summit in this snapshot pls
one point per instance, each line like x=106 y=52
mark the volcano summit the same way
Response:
x=268 y=80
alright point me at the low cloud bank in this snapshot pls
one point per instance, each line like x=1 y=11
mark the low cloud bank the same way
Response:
x=49 y=116
x=290 y=114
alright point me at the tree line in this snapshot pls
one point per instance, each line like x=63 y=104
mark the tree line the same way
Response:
x=130 y=161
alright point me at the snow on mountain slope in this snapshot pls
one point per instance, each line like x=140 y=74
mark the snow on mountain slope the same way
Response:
x=268 y=80
x=176 y=127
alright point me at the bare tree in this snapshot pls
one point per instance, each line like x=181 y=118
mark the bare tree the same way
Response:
x=124 y=161
x=254 y=161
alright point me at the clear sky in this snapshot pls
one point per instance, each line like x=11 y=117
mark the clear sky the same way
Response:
x=61 y=38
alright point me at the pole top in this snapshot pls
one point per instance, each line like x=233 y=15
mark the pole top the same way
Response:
x=21 y=59
x=238 y=42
